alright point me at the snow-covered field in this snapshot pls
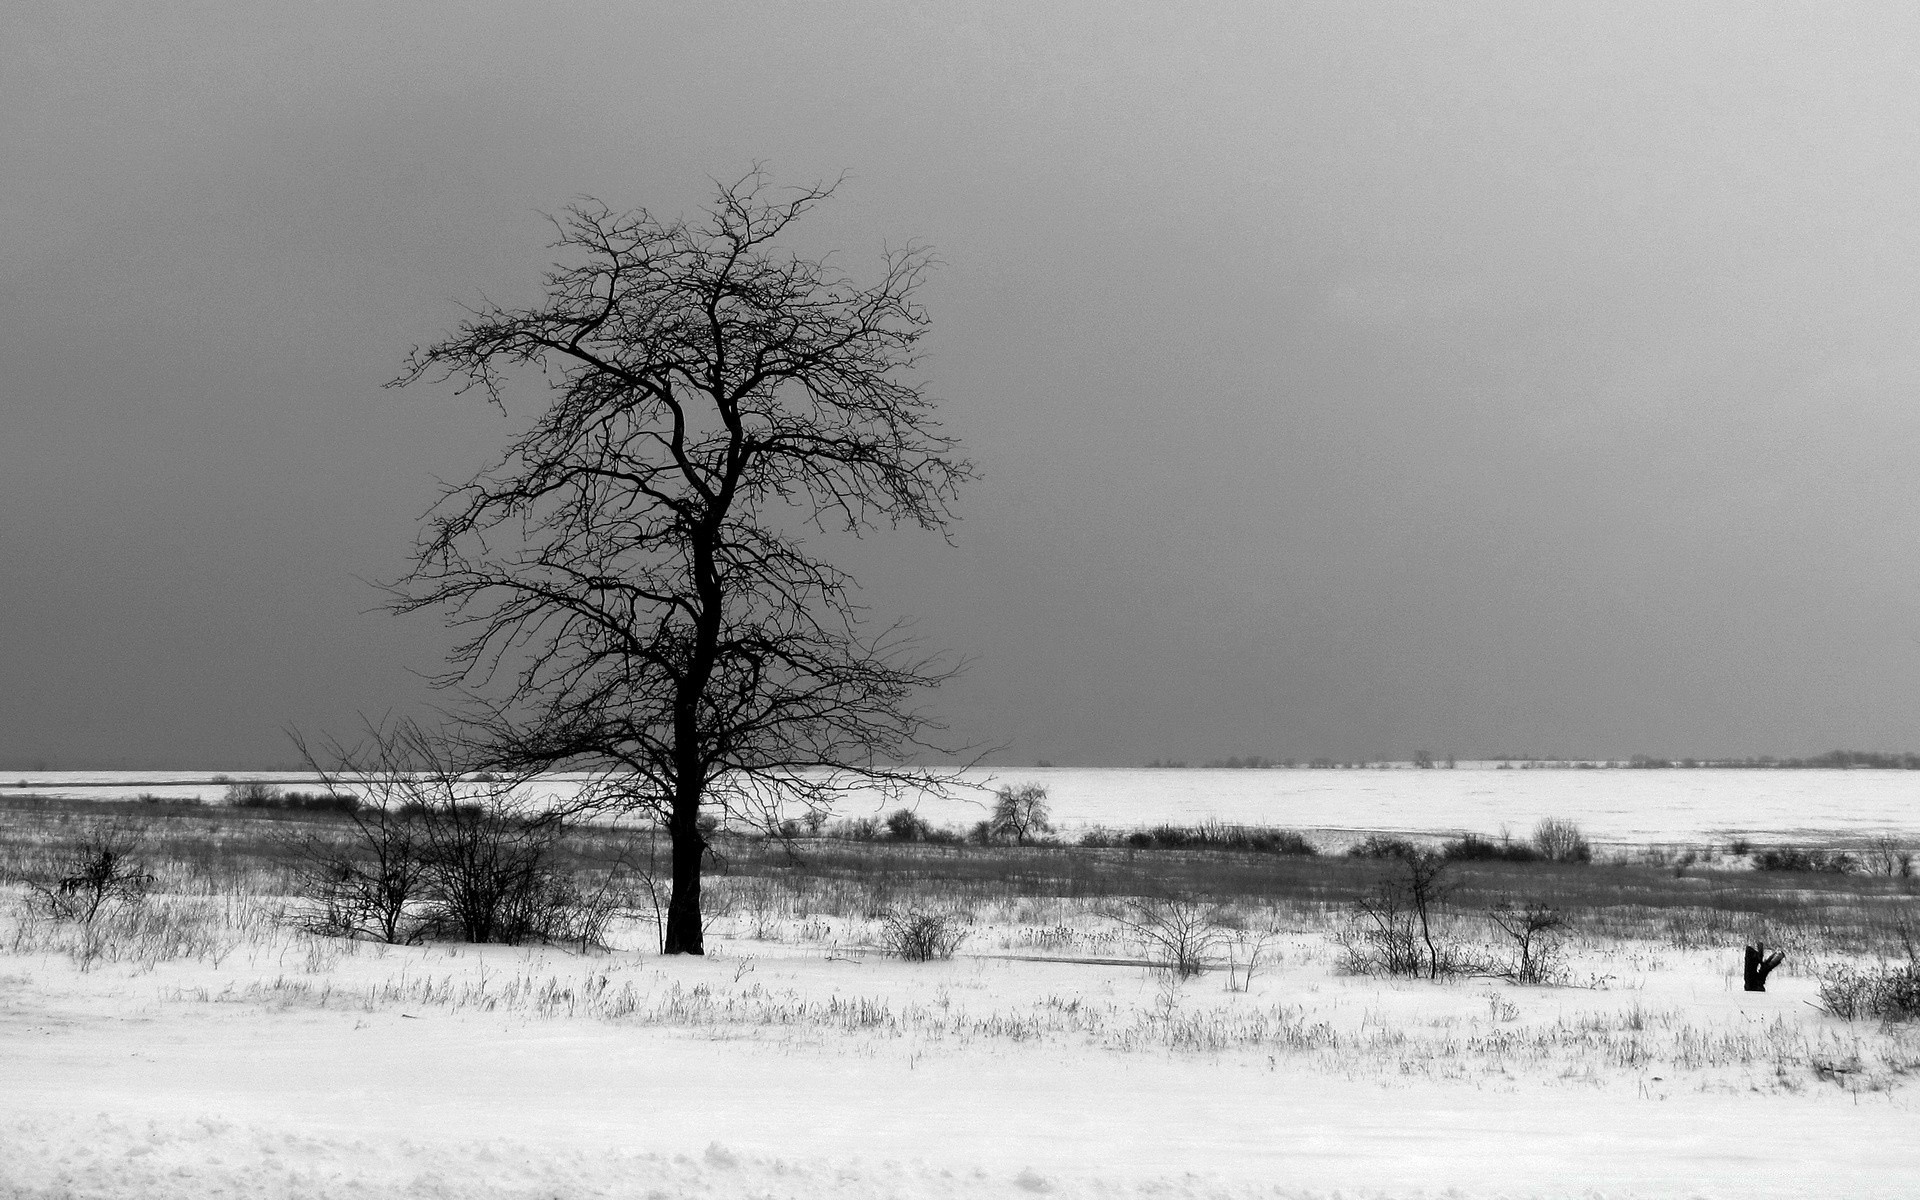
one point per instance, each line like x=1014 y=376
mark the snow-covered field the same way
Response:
x=262 y=1061
x=226 y=1052
x=1614 y=806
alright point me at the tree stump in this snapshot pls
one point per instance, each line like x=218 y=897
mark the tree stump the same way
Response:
x=1760 y=964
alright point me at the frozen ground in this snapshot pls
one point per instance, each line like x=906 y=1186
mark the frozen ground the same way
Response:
x=284 y=1065
x=1618 y=806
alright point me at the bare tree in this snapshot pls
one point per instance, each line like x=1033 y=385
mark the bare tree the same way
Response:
x=1019 y=813
x=630 y=579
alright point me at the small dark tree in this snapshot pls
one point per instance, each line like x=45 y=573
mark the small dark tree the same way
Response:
x=630 y=580
x=905 y=825
x=1019 y=813
x=1425 y=891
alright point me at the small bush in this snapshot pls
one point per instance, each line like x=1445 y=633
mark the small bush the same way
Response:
x=1248 y=839
x=1381 y=845
x=251 y=793
x=1891 y=993
x=98 y=871
x=1471 y=847
x=1561 y=841
x=922 y=935
x=905 y=825
x=855 y=829
x=1182 y=930
x=1791 y=858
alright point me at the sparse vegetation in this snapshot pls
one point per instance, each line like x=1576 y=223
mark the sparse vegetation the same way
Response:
x=94 y=872
x=1471 y=847
x=1211 y=835
x=1179 y=932
x=1395 y=926
x=1889 y=992
x=1382 y=845
x=1538 y=932
x=922 y=935
x=1794 y=858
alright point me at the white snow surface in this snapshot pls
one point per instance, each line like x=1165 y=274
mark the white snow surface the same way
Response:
x=307 y=1069
x=1617 y=806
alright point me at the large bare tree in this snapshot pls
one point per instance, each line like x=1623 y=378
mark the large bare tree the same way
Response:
x=631 y=580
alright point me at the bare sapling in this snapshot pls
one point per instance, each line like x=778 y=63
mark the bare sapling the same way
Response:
x=1246 y=953
x=372 y=884
x=1538 y=932
x=1182 y=930
x=1394 y=929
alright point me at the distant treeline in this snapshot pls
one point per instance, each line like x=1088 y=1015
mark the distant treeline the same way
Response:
x=1832 y=760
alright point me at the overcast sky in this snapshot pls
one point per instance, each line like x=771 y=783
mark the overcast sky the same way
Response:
x=1346 y=379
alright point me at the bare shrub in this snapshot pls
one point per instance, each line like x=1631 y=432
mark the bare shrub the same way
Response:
x=488 y=874
x=1889 y=992
x=1471 y=847
x=1792 y=858
x=1560 y=840
x=251 y=793
x=97 y=871
x=922 y=935
x=1381 y=845
x=371 y=886
x=1244 y=955
x=1181 y=930
x=1538 y=932
x=438 y=851
x=1394 y=927
x=1885 y=855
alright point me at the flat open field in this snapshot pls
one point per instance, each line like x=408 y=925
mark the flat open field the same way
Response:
x=207 y=1043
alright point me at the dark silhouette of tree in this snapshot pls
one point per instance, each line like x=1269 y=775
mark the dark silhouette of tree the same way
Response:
x=630 y=580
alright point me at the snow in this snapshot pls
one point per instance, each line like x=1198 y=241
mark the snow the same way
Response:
x=1615 y=806
x=301 y=1068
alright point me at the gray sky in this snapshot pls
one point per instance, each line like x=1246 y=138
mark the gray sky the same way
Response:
x=1348 y=379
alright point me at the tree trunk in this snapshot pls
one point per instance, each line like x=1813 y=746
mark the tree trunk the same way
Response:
x=683 y=907
x=1760 y=964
